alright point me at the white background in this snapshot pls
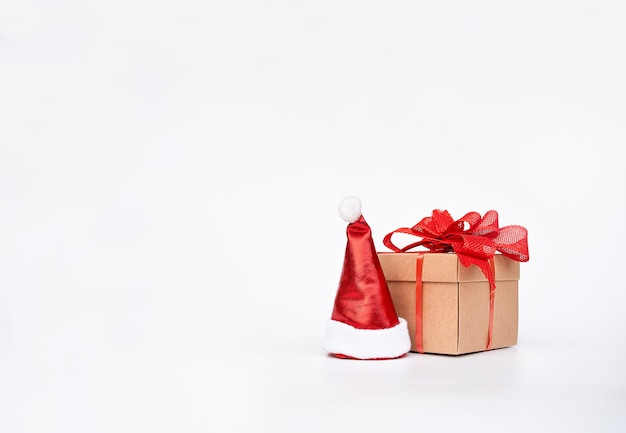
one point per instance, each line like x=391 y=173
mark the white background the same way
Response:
x=170 y=173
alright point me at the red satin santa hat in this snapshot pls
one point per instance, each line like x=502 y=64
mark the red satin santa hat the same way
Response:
x=364 y=323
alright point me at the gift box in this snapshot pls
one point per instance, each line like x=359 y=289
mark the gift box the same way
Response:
x=459 y=296
x=452 y=306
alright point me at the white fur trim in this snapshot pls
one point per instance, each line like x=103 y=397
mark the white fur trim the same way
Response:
x=350 y=209
x=347 y=340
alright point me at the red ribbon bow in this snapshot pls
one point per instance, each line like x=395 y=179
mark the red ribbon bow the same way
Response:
x=474 y=239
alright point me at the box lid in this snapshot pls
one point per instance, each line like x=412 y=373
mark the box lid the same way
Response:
x=443 y=267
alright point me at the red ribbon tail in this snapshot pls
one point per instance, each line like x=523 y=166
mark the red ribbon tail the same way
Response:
x=492 y=298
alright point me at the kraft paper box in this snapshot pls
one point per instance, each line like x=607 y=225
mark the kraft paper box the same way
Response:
x=455 y=301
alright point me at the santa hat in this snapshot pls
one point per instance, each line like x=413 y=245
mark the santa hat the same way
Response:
x=364 y=323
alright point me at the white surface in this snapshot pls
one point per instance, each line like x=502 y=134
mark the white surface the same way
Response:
x=169 y=180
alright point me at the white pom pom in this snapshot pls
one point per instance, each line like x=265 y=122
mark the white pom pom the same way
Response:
x=350 y=209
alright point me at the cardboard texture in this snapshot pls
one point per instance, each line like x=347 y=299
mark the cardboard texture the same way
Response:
x=455 y=304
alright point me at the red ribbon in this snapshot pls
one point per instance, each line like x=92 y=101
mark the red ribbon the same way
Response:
x=474 y=239
x=419 y=339
x=492 y=299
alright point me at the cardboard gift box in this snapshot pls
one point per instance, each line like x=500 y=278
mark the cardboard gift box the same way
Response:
x=455 y=301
